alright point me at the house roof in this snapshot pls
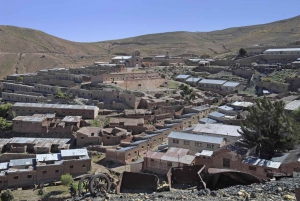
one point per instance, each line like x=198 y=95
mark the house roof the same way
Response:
x=196 y=137
x=242 y=104
x=72 y=118
x=218 y=129
x=74 y=152
x=205 y=153
x=283 y=49
x=182 y=76
x=261 y=162
x=21 y=162
x=61 y=106
x=4 y=166
x=231 y=84
x=48 y=157
x=193 y=79
x=122 y=57
x=292 y=105
x=127 y=121
x=225 y=107
x=217 y=114
x=89 y=130
x=207 y=120
x=212 y=81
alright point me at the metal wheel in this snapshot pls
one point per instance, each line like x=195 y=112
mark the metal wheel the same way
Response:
x=99 y=184
x=83 y=185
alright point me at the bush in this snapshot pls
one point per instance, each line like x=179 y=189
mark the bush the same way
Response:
x=66 y=179
x=4 y=125
x=7 y=196
x=4 y=110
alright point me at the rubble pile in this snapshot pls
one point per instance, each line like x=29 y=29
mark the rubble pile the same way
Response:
x=283 y=189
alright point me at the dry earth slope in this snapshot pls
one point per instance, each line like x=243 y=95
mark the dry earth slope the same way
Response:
x=29 y=50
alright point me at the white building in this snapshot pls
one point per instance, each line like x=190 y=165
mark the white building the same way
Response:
x=283 y=51
x=228 y=132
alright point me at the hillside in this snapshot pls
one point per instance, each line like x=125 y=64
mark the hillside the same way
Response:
x=30 y=50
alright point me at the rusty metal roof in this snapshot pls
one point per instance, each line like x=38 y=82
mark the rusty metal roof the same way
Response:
x=174 y=154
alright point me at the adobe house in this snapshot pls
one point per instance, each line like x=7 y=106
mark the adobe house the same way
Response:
x=44 y=168
x=228 y=132
x=160 y=163
x=88 y=112
x=136 y=126
x=195 y=143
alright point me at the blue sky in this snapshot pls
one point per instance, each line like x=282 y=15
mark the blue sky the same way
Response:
x=99 y=20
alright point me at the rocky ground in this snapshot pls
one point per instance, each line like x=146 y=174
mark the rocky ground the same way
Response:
x=283 y=189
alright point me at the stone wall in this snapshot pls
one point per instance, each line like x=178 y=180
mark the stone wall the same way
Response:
x=276 y=87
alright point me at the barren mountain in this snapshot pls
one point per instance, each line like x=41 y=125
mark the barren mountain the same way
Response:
x=29 y=50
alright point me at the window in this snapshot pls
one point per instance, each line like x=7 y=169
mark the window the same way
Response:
x=83 y=166
x=175 y=141
x=210 y=146
x=226 y=163
x=82 y=137
x=92 y=134
x=44 y=172
x=186 y=142
x=56 y=171
x=198 y=144
x=71 y=166
x=252 y=168
x=29 y=176
x=16 y=177
x=152 y=160
x=169 y=163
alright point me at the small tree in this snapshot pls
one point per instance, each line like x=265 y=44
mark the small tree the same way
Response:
x=7 y=196
x=242 y=52
x=66 y=179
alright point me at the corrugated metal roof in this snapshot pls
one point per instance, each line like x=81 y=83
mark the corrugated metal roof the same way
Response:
x=242 y=104
x=174 y=154
x=261 y=162
x=122 y=57
x=205 y=153
x=187 y=159
x=39 y=142
x=22 y=162
x=4 y=166
x=195 y=137
x=48 y=157
x=231 y=84
x=217 y=129
x=61 y=106
x=72 y=118
x=74 y=152
x=216 y=114
x=225 y=107
x=283 y=49
x=193 y=79
x=211 y=81
x=182 y=76
x=207 y=120
x=292 y=105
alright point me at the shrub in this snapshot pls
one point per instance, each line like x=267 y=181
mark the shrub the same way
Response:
x=7 y=196
x=66 y=179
